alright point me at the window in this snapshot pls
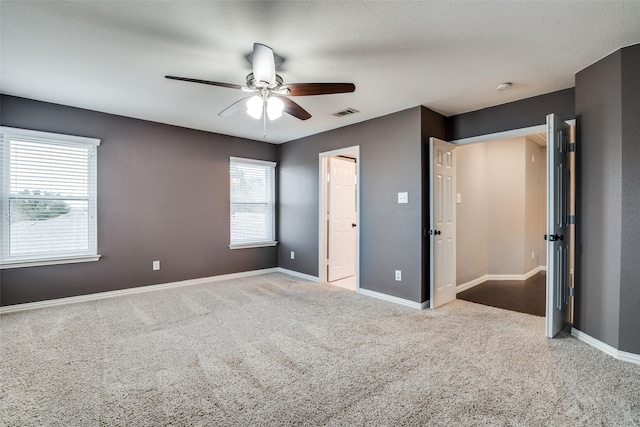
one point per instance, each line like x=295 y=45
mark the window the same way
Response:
x=252 y=185
x=48 y=186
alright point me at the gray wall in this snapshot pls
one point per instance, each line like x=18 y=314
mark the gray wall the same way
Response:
x=391 y=150
x=599 y=192
x=514 y=115
x=163 y=194
x=630 y=267
x=432 y=125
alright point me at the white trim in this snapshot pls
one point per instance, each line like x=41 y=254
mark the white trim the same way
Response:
x=507 y=134
x=48 y=136
x=130 y=291
x=52 y=261
x=299 y=275
x=499 y=277
x=606 y=348
x=254 y=161
x=395 y=300
x=500 y=135
x=252 y=245
x=471 y=283
x=524 y=276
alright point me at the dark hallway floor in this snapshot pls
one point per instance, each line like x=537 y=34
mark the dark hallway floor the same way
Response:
x=525 y=297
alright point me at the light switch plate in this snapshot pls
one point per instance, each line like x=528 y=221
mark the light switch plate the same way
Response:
x=458 y=198
x=403 y=197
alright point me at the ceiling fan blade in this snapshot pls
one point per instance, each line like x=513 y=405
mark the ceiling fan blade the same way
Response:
x=235 y=107
x=294 y=109
x=264 y=65
x=305 y=89
x=206 y=82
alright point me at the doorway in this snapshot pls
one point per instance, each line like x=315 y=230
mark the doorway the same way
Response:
x=501 y=217
x=339 y=217
x=559 y=214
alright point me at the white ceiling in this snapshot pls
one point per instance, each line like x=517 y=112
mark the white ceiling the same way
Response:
x=448 y=56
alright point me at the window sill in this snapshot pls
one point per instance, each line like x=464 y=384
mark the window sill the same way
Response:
x=54 y=261
x=252 y=245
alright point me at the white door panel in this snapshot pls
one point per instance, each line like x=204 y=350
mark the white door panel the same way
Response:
x=442 y=222
x=342 y=219
x=558 y=179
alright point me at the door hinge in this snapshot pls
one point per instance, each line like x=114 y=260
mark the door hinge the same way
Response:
x=572 y=219
x=572 y=292
x=328 y=262
x=572 y=147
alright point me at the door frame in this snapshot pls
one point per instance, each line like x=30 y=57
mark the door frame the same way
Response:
x=353 y=151
x=507 y=134
x=524 y=132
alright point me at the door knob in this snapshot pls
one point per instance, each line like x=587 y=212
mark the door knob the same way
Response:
x=353 y=225
x=554 y=237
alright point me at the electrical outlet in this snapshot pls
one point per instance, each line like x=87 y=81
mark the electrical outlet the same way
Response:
x=533 y=255
x=398 y=275
x=156 y=265
x=293 y=255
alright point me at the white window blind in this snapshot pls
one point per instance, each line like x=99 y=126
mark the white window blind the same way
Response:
x=48 y=197
x=252 y=185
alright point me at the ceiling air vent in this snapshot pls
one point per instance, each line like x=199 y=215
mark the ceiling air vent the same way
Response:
x=346 y=112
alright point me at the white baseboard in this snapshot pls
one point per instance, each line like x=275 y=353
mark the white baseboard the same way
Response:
x=514 y=277
x=129 y=291
x=499 y=277
x=396 y=300
x=471 y=283
x=299 y=275
x=606 y=348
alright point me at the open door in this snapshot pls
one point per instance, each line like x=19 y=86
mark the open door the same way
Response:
x=558 y=179
x=442 y=188
x=341 y=218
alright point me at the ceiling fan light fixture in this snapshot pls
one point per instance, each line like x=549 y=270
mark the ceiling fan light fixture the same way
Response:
x=275 y=107
x=271 y=95
x=254 y=107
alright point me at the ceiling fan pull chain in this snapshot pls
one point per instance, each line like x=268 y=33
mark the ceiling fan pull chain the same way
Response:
x=264 y=117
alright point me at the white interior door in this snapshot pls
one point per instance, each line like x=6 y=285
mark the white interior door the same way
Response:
x=558 y=179
x=442 y=187
x=341 y=219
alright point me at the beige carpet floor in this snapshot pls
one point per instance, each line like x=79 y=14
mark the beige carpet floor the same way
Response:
x=272 y=350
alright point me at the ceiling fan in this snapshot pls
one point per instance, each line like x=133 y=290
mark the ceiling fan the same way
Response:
x=269 y=91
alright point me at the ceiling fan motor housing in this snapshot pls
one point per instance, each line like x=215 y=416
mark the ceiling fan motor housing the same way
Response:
x=252 y=83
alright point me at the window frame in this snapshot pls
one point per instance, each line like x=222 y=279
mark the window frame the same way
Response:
x=91 y=254
x=244 y=244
